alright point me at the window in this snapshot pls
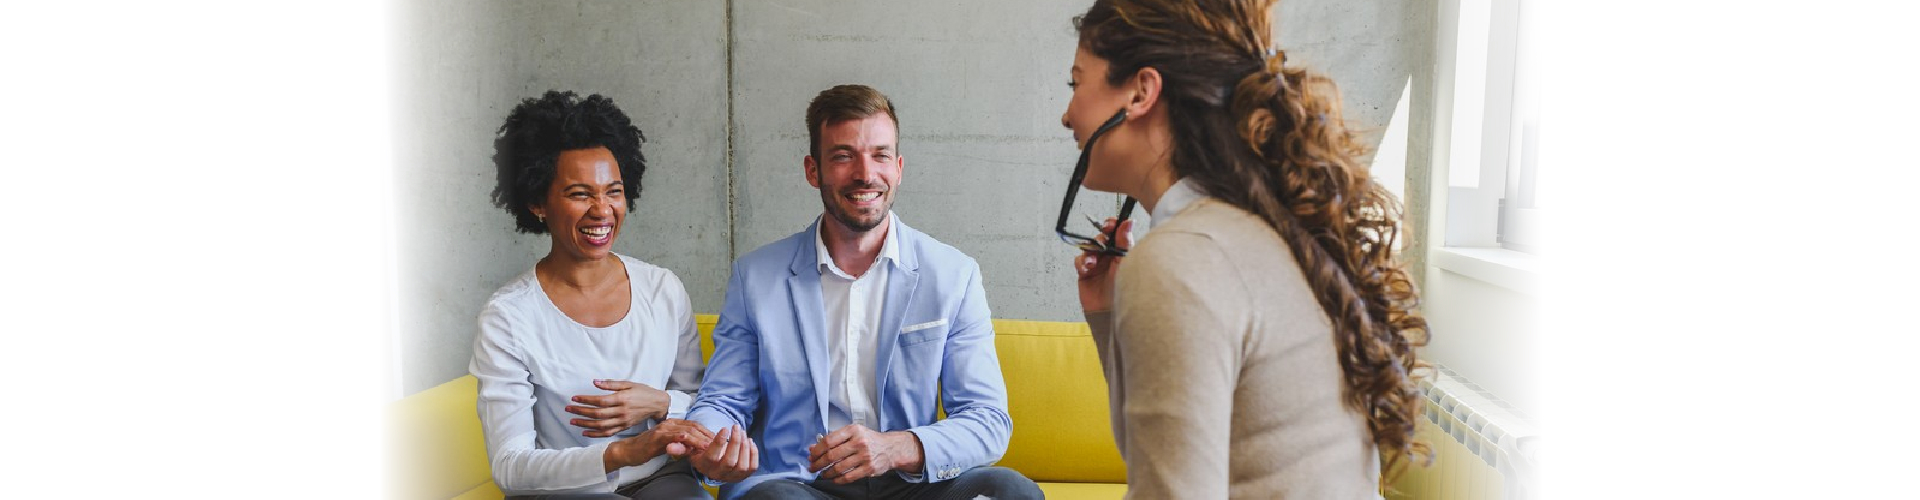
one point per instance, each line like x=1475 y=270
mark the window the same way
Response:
x=1489 y=141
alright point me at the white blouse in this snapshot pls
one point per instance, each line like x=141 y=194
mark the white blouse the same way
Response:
x=531 y=359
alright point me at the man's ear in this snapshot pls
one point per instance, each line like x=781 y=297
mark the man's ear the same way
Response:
x=813 y=171
x=1145 y=85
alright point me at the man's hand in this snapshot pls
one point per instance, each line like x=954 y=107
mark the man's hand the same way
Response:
x=731 y=457
x=609 y=414
x=855 y=452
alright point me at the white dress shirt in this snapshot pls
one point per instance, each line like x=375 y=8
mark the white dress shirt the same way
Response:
x=531 y=359
x=853 y=308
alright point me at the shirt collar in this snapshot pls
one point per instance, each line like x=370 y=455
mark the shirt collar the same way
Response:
x=888 y=250
x=1182 y=193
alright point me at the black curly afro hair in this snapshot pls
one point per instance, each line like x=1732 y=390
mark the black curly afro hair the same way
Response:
x=528 y=146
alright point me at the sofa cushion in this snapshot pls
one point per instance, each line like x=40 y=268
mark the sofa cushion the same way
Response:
x=486 y=491
x=437 y=442
x=1057 y=397
x=1083 y=491
x=1053 y=491
x=1055 y=394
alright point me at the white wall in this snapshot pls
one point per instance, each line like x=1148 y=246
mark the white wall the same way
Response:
x=1480 y=302
x=1485 y=332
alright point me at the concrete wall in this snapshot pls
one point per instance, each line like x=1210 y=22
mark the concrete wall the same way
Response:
x=663 y=62
x=980 y=88
x=720 y=89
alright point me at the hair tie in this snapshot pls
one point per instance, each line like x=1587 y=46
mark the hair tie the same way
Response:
x=1271 y=61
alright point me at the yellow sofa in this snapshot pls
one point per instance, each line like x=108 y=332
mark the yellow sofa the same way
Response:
x=1055 y=394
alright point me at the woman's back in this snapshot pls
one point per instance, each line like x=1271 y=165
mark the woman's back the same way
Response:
x=1232 y=378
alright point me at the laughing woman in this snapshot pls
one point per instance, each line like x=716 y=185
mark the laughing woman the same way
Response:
x=1258 y=343
x=587 y=361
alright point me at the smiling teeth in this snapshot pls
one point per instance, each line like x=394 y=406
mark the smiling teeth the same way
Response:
x=864 y=196
x=597 y=231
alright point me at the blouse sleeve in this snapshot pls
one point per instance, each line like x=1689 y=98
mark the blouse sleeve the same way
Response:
x=506 y=417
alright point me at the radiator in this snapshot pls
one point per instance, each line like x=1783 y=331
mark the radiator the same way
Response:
x=1483 y=448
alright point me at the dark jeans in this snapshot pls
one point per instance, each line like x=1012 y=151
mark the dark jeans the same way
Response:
x=998 y=483
x=673 y=481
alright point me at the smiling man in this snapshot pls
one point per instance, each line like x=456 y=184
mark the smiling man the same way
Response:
x=838 y=345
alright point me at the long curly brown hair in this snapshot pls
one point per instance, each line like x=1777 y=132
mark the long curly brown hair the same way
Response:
x=1269 y=138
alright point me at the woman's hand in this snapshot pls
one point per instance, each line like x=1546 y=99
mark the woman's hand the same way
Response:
x=1097 y=271
x=677 y=438
x=673 y=437
x=609 y=414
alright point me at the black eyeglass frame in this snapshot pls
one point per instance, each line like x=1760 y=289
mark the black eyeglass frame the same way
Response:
x=1088 y=243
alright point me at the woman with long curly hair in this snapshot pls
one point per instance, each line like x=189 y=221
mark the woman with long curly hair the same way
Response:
x=1259 y=341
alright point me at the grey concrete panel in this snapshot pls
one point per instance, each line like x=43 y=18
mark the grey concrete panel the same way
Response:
x=1371 y=50
x=466 y=65
x=979 y=88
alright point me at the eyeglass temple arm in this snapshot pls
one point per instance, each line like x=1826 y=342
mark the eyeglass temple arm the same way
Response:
x=1073 y=185
x=1080 y=172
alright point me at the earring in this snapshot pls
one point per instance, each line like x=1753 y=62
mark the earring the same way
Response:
x=543 y=218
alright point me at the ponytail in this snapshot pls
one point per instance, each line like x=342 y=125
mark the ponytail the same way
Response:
x=1341 y=226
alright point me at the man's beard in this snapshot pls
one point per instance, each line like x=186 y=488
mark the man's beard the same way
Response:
x=859 y=223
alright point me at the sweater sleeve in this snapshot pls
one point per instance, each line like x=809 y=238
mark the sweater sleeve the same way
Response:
x=1177 y=339
x=1101 y=323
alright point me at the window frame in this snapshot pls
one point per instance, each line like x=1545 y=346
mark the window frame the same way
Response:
x=1486 y=134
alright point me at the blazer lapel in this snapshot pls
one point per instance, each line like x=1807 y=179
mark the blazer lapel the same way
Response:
x=808 y=307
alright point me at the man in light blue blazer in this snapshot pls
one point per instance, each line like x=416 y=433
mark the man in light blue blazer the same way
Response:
x=839 y=345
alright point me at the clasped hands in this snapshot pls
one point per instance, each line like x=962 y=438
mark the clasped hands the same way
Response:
x=728 y=455
x=855 y=452
x=849 y=454
x=629 y=405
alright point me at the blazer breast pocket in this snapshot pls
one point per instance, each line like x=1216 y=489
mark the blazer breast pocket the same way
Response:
x=922 y=332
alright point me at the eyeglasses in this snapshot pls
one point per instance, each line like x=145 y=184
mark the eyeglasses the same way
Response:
x=1088 y=243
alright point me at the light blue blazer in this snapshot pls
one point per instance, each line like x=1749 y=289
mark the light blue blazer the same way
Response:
x=770 y=361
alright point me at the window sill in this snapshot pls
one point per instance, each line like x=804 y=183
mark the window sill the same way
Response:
x=1498 y=266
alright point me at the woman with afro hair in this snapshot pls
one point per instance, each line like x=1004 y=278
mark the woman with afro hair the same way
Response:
x=586 y=361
